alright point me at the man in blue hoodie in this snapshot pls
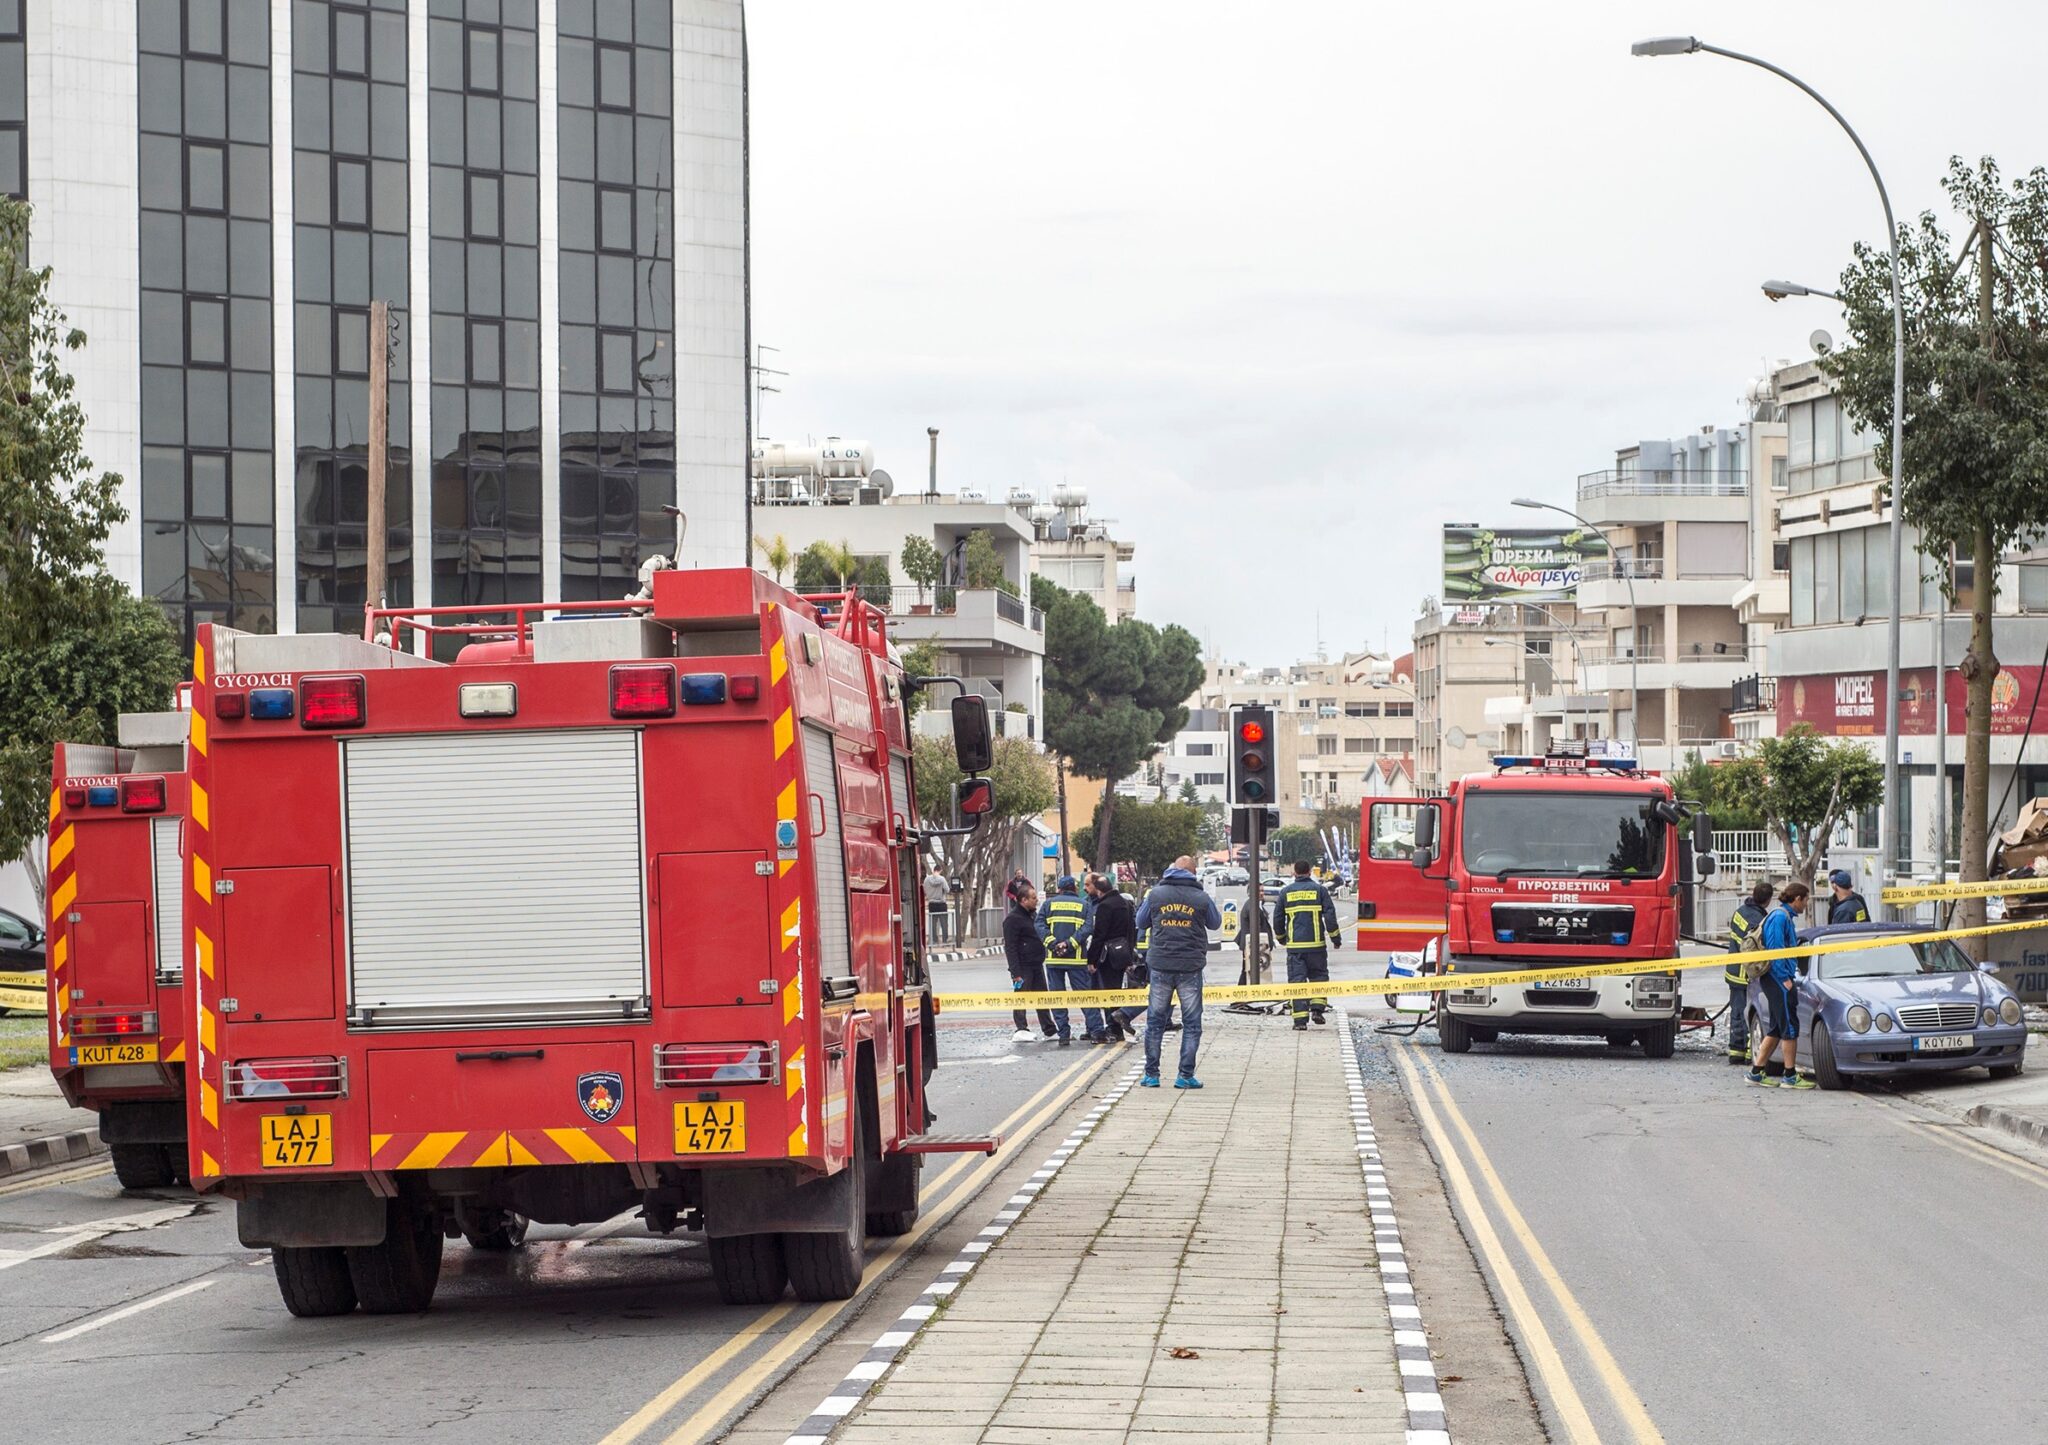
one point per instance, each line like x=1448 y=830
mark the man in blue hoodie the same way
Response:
x=1179 y=914
x=1780 y=988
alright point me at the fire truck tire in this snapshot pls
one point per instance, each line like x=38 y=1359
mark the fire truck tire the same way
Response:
x=398 y=1276
x=748 y=1268
x=502 y=1232
x=897 y=1177
x=181 y=1164
x=142 y=1166
x=828 y=1266
x=314 y=1282
x=1453 y=1033
x=1660 y=1041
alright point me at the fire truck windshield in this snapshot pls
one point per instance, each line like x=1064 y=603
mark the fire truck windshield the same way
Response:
x=1575 y=834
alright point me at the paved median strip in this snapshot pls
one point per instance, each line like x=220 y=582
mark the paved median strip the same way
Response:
x=891 y=1343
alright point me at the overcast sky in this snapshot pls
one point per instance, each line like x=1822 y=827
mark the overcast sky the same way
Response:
x=1286 y=286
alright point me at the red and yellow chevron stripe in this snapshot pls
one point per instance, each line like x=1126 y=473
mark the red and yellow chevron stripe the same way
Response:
x=483 y=1149
x=60 y=884
x=202 y=924
x=789 y=882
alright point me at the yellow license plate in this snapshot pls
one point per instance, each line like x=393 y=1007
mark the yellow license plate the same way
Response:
x=297 y=1141
x=116 y=1053
x=711 y=1128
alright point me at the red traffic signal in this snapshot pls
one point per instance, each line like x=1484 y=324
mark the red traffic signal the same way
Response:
x=1251 y=731
x=1252 y=761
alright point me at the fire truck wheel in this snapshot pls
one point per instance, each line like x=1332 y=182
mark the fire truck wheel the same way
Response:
x=141 y=1166
x=314 y=1282
x=180 y=1164
x=1660 y=1041
x=398 y=1276
x=828 y=1266
x=748 y=1268
x=499 y=1231
x=1453 y=1033
x=897 y=1177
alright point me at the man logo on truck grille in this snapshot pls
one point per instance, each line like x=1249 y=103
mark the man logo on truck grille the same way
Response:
x=600 y=1094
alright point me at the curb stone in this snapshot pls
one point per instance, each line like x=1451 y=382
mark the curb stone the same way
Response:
x=862 y=1378
x=48 y=1152
x=2020 y=1126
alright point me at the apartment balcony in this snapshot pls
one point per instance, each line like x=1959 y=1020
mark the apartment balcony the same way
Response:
x=1693 y=666
x=964 y=619
x=1629 y=498
x=1609 y=584
x=1755 y=693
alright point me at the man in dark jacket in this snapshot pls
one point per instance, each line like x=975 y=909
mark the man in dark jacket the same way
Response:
x=1848 y=905
x=1112 y=949
x=1025 y=952
x=1745 y=932
x=1305 y=917
x=1179 y=912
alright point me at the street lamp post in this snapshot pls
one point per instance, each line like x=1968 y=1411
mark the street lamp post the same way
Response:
x=1528 y=651
x=1888 y=818
x=1635 y=732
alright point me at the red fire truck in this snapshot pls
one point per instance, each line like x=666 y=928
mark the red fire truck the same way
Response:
x=1545 y=862
x=115 y=949
x=608 y=911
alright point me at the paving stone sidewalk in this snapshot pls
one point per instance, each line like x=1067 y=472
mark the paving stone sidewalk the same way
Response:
x=1203 y=1268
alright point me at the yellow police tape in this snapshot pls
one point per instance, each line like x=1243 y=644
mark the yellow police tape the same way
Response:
x=1990 y=888
x=25 y=991
x=1437 y=983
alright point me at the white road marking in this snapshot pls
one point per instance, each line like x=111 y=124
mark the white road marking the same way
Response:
x=70 y=1236
x=123 y=1313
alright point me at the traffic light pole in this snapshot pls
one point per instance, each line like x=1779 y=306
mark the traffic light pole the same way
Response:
x=1255 y=952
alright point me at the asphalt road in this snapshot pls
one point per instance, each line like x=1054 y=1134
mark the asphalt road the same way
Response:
x=140 y=1318
x=1681 y=1256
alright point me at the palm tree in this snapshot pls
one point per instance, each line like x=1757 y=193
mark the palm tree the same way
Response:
x=776 y=554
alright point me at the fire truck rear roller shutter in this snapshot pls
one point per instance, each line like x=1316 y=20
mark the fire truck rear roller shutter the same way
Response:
x=821 y=774
x=495 y=875
x=170 y=897
x=900 y=801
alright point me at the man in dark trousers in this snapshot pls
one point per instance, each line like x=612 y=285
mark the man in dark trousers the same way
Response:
x=1848 y=905
x=1112 y=950
x=1745 y=932
x=1025 y=952
x=1180 y=913
x=1305 y=918
x=1065 y=920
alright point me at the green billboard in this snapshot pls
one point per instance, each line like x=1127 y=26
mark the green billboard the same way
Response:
x=1515 y=564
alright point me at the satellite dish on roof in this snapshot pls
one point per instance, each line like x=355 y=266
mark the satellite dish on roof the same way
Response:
x=1821 y=342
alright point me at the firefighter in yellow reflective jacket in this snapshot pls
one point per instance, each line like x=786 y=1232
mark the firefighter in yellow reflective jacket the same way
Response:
x=1745 y=931
x=1065 y=921
x=1305 y=919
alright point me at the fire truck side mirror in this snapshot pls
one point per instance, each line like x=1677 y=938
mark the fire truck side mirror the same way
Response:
x=972 y=747
x=974 y=798
x=1425 y=837
x=1702 y=836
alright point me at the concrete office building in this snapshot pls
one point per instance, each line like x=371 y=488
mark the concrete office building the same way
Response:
x=551 y=196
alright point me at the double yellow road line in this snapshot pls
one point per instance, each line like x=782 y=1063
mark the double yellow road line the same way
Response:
x=761 y=1332
x=1481 y=1204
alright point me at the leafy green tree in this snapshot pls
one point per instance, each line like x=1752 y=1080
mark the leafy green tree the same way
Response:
x=920 y=659
x=922 y=564
x=871 y=575
x=1113 y=695
x=775 y=553
x=76 y=648
x=1699 y=781
x=1215 y=834
x=1150 y=835
x=1023 y=781
x=1291 y=845
x=826 y=567
x=1802 y=785
x=983 y=566
x=1975 y=475
x=1189 y=793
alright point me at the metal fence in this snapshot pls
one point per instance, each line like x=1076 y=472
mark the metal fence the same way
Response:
x=1688 y=483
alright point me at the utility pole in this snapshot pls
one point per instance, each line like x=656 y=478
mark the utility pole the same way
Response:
x=380 y=451
x=760 y=370
x=1254 y=952
x=1059 y=768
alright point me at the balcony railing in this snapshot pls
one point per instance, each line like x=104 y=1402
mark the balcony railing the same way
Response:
x=944 y=601
x=1639 y=568
x=1685 y=652
x=1687 y=483
x=1755 y=693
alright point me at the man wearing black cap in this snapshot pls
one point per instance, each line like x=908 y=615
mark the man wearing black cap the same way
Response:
x=1848 y=906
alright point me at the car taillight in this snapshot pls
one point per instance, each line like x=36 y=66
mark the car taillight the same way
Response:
x=643 y=691
x=230 y=705
x=307 y=1078
x=107 y=1026
x=142 y=795
x=331 y=702
x=74 y=797
x=746 y=687
x=683 y=1065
